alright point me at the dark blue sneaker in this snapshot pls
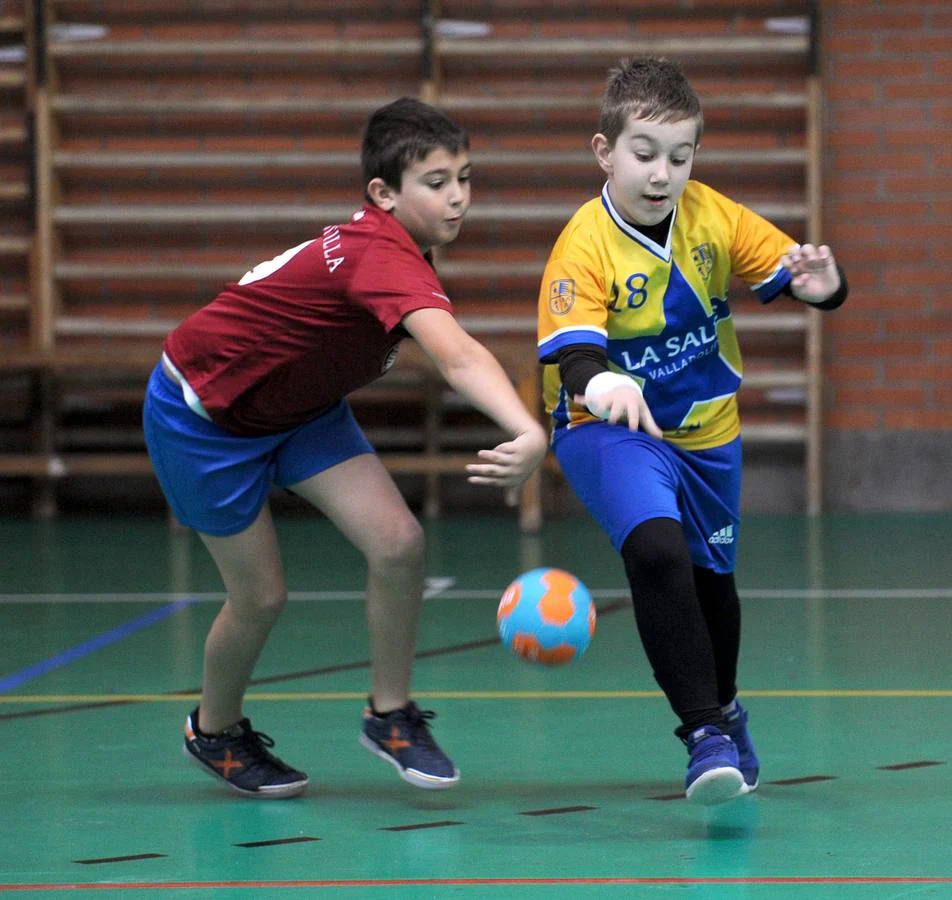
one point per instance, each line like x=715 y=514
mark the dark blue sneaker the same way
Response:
x=239 y=757
x=736 y=730
x=403 y=739
x=714 y=774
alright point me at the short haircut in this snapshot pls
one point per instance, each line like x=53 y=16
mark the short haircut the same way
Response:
x=652 y=88
x=402 y=133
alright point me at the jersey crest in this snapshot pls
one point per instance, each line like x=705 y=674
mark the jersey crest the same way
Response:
x=561 y=296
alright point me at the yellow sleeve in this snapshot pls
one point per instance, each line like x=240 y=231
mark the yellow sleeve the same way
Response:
x=755 y=253
x=573 y=305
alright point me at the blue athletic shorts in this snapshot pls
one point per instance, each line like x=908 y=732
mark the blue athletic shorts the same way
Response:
x=626 y=477
x=217 y=482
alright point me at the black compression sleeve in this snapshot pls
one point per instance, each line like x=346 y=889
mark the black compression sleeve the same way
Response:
x=835 y=299
x=579 y=364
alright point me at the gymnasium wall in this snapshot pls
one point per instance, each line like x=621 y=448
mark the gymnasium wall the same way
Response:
x=887 y=211
x=887 y=373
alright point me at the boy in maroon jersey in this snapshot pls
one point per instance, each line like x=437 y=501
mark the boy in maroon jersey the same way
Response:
x=250 y=392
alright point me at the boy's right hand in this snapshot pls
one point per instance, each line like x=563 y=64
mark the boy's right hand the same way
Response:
x=619 y=398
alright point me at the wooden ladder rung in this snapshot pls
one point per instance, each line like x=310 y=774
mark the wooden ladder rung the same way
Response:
x=244 y=49
x=14 y=302
x=236 y=214
x=330 y=159
x=243 y=106
x=86 y=271
x=12 y=79
x=82 y=104
x=551 y=50
x=484 y=324
x=561 y=212
x=118 y=464
x=423 y=463
x=150 y=271
x=314 y=215
x=12 y=25
x=15 y=246
x=554 y=50
x=75 y=326
x=770 y=322
x=158 y=160
x=138 y=359
x=527 y=103
x=779 y=433
x=545 y=158
x=776 y=379
x=14 y=191
x=12 y=135
x=39 y=465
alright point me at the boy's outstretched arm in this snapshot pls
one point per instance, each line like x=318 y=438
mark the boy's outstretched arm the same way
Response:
x=474 y=372
x=815 y=274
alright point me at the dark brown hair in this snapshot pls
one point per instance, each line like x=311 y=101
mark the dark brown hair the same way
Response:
x=402 y=133
x=652 y=88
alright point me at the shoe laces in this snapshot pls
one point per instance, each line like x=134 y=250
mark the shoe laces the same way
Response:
x=418 y=721
x=709 y=745
x=259 y=743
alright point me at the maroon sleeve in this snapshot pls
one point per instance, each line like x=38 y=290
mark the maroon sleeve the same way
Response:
x=393 y=279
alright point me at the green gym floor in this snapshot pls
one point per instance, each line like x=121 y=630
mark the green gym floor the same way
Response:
x=571 y=777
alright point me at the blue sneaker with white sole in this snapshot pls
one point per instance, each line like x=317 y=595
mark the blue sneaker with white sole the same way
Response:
x=713 y=774
x=403 y=739
x=241 y=757
x=736 y=729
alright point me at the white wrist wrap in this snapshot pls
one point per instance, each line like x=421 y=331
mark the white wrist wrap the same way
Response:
x=602 y=384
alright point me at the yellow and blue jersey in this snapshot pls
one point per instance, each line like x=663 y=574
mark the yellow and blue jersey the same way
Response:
x=660 y=312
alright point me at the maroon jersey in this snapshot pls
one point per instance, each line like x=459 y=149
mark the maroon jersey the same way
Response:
x=303 y=330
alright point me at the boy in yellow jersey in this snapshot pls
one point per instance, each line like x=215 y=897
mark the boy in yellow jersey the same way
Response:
x=641 y=370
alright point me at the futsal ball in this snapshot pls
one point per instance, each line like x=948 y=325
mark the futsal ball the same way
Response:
x=546 y=616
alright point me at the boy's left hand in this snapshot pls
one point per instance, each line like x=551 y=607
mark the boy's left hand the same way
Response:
x=512 y=462
x=815 y=276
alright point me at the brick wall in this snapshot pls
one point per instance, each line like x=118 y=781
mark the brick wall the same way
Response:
x=887 y=213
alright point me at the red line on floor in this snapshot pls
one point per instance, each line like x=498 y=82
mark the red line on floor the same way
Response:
x=428 y=882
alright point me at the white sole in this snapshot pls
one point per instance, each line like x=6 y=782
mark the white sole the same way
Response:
x=717 y=786
x=281 y=792
x=411 y=776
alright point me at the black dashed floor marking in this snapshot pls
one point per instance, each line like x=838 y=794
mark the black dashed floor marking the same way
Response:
x=115 y=859
x=807 y=779
x=274 y=843
x=556 y=811
x=665 y=797
x=421 y=825
x=919 y=764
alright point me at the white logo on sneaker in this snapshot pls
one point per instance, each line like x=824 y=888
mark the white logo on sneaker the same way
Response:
x=722 y=536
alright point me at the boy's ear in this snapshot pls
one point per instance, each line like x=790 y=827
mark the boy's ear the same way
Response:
x=602 y=150
x=381 y=193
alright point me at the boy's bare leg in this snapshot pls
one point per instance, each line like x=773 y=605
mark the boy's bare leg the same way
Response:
x=361 y=499
x=250 y=566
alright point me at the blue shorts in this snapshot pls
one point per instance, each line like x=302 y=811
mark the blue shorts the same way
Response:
x=217 y=482
x=626 y=477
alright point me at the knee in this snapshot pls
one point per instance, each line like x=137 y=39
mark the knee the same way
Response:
x=402 y=545
x=261 y=603
x=656 y=546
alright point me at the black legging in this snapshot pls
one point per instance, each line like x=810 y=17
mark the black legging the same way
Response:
x=688 y=618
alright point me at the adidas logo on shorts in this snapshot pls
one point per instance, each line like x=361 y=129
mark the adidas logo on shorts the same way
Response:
x=722 y=536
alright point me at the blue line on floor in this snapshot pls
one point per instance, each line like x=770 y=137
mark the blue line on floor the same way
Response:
x=9 y=682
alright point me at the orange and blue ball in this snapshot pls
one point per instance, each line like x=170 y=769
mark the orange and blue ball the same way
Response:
x=546 y=616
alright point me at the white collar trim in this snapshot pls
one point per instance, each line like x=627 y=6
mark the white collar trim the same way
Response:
x=632 y=232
